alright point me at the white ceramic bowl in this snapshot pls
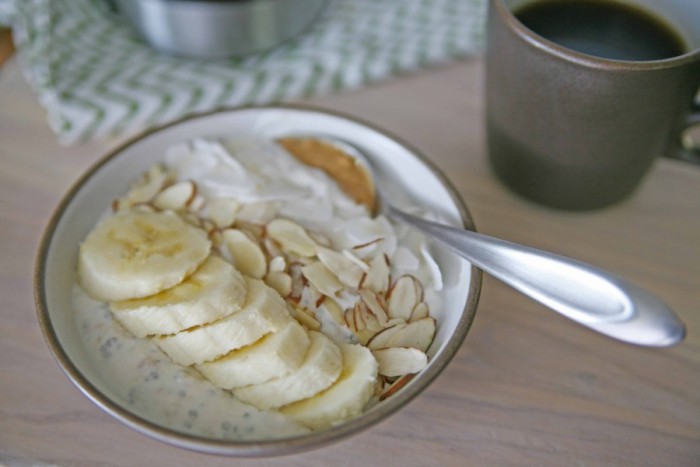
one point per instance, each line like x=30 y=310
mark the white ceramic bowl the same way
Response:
x=407 y=176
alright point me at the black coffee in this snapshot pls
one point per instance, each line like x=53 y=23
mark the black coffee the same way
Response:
x=602 y=28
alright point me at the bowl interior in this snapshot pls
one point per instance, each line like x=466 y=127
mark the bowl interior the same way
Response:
x=406 y=176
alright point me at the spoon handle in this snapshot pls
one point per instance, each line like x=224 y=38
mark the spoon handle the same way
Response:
x=579 y=291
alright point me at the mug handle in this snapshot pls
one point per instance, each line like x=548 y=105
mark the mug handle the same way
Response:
x=690 y=147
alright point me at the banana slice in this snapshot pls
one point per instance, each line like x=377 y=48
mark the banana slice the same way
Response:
x=320 y=369
x=346 y=398
x=214 y=291
x=136 y=254
x=264 y=312
x=275 y=355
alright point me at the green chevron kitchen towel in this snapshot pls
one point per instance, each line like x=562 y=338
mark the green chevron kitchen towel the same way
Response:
x=96 y=78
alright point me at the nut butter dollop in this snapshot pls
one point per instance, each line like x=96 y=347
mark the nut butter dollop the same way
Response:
x=352 y=178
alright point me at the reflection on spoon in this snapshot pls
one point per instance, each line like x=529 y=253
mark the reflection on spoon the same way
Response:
x=579 y=291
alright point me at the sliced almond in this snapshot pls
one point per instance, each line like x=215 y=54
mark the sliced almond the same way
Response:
x=256 y=231
x=359 y=262
x=362 y=248
x=197 y=203
x=334 y=310
x=191 y=218
x=208 y=226
x=361 y=315
x=420 y=295
x=370 y=320
x=148 y=186
x=398 y=361
x=292 y=237
x=345 y=269
x=395 y=386
x=375 y=305
x=419 y=312
x=216 y=238
x=272 y=247
x=244 y=253
x=381 y=339
x=257 y=213
x=304 y=317
x=378 y=275
x=277 y=264
x=144 y=207
x=311 y=297
x=403 y=297
x=322 y=278
x=393 y=321
x=304 y=261
x=176 y=197
x=418 y=335
x=298 y=281
x=349 y=318
x=364 y=335
x=222 y=211
x=280 y=281
x=306 y=310
x=320 y=239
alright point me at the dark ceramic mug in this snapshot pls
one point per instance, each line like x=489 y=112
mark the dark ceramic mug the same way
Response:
x=577 y=131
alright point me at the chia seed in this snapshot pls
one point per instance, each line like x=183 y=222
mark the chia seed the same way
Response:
x=106 y=348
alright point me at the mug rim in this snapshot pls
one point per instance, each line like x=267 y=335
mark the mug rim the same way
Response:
x=580 y=58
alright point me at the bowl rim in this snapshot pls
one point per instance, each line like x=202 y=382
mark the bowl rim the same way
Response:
x=261 y=448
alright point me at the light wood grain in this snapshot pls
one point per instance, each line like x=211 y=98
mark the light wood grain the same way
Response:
x=527 y=388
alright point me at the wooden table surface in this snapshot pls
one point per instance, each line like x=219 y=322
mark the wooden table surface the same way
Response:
x=528 y=387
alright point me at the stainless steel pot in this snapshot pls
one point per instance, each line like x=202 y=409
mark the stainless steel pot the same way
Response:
x=218 y=28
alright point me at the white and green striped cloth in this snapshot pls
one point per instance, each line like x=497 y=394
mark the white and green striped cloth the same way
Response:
x=96 y=78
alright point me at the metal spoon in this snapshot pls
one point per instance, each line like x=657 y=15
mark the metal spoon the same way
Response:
x=588 y=295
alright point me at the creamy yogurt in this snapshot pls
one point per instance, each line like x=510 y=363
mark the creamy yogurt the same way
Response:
x=260 y=173
x=165 y=393
x=269 y=182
